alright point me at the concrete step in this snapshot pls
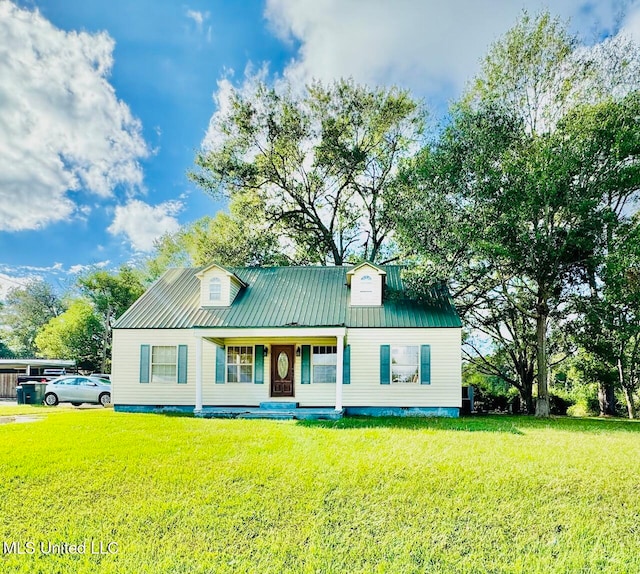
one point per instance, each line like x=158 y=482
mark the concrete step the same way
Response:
x=272 y=405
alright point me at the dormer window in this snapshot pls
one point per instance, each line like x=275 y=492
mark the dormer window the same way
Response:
x=215 y=289
x=366 y=285
x=218 y=286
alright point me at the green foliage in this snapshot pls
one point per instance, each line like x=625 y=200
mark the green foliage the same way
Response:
x=25 y=311
x=511 y=205
x=476 y=494
x=243 y=237
x=76 y=334
x=322 y=163
x=111 y=295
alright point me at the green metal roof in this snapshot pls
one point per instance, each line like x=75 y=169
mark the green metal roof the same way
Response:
x=284 y=297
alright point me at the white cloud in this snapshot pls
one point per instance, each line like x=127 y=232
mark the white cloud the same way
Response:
x=199 y=18
x=631 y=24
x=142 y=223
x=62 y=128
x=431 y=47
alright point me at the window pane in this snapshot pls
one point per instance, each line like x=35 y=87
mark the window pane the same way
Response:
x=232 y=374
x=404 y=374
x=233 y=355
x=245 y=373
x=324 y=374
x=163 y=354
x=214 y=289
x=404 y=355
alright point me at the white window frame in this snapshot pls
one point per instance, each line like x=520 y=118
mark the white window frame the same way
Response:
x=237 y=366
x=416 y=380
x=152 y=376
x=313 y=363
x=215 y=284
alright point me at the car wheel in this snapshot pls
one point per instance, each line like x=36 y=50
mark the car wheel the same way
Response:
x=104 y=399
x=76 y=404
x=50 y=400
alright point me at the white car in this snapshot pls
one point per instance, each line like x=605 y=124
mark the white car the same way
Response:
x=76 y=389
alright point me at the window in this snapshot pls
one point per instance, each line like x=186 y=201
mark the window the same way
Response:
x=164 y=364
x=324 y=364
x=405 y=364
x=215 y=289
x=239 y=364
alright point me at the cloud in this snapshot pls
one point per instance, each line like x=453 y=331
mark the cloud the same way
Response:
x=199 y=18
x=142 y=223
x=62 y=128
x=430 y=47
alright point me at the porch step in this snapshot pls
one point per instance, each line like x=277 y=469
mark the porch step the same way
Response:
x=272 y=406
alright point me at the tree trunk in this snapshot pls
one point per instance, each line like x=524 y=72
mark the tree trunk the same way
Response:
x=606 y=399
x=628 y=396
x=526 y=394
x=105 y=341
x=542 y=404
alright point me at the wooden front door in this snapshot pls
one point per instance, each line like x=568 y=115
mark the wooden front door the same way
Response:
x=282 y=370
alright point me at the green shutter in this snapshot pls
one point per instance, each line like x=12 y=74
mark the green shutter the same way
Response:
x=145 y=360
x=306 y=365
x=385 y=364
x=258 y=366
x=182 y=364
x=346 y=366
x=425 y=364
x=220 y=365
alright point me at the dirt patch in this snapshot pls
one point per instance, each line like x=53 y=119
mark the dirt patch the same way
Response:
x=19 y=419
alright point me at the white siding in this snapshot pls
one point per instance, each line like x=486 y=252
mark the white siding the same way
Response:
x=446 y=369
x=365 y=388
x=128 y=390
x=125 y=370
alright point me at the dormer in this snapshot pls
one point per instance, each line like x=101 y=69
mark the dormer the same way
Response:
x=218 y=286
x=366 y=282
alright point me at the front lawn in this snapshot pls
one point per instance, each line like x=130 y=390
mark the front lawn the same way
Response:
x=175 y=494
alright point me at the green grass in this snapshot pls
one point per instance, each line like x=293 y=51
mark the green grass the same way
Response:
x=178 y=494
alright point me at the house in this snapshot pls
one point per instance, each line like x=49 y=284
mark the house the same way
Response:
x=228 y=341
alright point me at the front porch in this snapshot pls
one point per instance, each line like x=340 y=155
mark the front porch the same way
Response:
x=271 y=410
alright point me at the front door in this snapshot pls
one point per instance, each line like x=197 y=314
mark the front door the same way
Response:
x=282 y=370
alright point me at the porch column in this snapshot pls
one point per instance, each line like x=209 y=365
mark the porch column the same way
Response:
x=339 y=362
x=198 y=374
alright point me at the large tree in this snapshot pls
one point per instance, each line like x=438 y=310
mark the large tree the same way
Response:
x=77 y=334
x=25 y=311
x=512 y=202
x=240 y=238
x=322 y=162
x=609 y=324
x=111 y=294
x=527 y=209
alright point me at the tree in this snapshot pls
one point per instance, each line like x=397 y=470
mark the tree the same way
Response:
x=521 y=187
x=111 y=295
x=527 y=209
x=609 y=325
x=322 y=163
x=240 y=238
x=76 y=334
x=25 y=311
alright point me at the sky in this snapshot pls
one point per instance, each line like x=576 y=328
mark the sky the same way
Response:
x=104 y=105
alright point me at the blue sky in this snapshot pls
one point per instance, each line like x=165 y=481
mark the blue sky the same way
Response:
x=104 y=104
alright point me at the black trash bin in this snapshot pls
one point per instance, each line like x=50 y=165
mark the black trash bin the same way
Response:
x=33 y=393
x=20 y=395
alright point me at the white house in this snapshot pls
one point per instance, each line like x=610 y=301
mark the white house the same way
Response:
x=292 y=340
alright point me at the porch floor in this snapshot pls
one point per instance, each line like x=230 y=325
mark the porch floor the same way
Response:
x=264 y=412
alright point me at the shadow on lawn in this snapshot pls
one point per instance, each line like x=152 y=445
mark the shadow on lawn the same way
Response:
x=518 y=425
